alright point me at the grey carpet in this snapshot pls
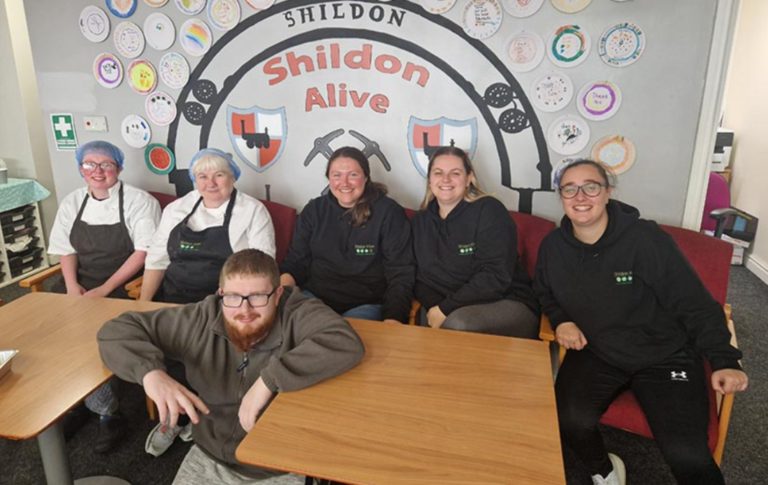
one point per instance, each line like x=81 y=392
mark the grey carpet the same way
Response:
x=744 y=462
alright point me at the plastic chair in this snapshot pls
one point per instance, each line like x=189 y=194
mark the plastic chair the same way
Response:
x=718 y=197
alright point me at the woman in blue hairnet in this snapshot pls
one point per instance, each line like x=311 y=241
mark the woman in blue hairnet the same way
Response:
x=102 y=233
x=199 y=231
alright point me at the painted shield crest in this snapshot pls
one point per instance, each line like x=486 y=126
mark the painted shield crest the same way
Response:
x=426 y=136
x=258 y=135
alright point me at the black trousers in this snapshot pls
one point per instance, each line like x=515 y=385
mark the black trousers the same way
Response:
x=672 y=394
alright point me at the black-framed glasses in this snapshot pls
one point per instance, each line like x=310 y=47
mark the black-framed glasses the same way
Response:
x=105 y=166
x=256 y=300
x=591 y=189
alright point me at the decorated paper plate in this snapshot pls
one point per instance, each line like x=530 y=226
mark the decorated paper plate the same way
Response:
x=122 y=8
x=621 y=44
x=525 y=50
x=437 y=6
x=552 y=91
x=136 y=131
x=223 y=14
x=557 y=169
x=616 y=151
x=174 y=70
x=161 y=108
x=568 y=135
x=156 y=3
x=159 y=31
x=94 y=24
x=159 y=159
x=195 y=37
x=481 y=18
x=260 y=4
x=599 y=100
x=129 y=41
x=191 y=7
x=142 y=76
x=522 y=8
x=571 y=6
x=569 y=46
x=108 y=70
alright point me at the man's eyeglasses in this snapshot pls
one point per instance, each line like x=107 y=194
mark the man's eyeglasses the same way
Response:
x=592 y=189
x=256 y=300
x=105 y=166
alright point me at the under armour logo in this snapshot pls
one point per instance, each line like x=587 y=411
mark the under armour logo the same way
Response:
x=679 y=376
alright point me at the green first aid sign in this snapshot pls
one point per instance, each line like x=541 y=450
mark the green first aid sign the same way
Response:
x=64 y=131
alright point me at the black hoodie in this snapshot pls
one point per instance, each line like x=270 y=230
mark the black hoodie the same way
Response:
x=348 y=266
x=632 y=293
x=468 y=258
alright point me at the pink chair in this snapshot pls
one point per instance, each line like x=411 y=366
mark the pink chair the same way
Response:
x=718 y=197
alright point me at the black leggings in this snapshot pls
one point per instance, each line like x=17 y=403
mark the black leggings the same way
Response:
x=673 y=395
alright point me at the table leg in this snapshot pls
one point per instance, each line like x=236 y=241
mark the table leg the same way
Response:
x=54 y=454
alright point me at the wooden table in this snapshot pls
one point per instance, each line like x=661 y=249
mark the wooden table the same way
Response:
x=58 y=366
x=424 y=407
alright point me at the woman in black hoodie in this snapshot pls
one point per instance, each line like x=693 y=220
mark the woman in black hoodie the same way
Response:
x=634 y=315
x=468 y=274
x=352 y=246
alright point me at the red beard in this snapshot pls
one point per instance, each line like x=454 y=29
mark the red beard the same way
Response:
x=245 y=339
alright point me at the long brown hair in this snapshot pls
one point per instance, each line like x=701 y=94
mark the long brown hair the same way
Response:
x=473 y=192
x=361 y=212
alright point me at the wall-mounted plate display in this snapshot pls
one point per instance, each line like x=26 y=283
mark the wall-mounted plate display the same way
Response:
x=159 y=159
x=136 y=131
x=616 y=151
x=190 y=7
x=522 y=8
x=437 y=6
x=122 y=8
x=260 y=4
x=196 y=37
x=224 y=14
x=129 y=41
x=569 y=46
x=571 y=6
x=156 y=3
x=481 y=18
x=174 y=70
x=159 y=31
x=568 y=135
x=552 y=91
x=108 y=70
x=621 y=44
x=525 y=50
x=599 y=100
x=142 y=76
x=94 y=24
x=161 y=108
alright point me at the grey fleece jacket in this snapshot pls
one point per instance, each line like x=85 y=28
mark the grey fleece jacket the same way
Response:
x=308 y=343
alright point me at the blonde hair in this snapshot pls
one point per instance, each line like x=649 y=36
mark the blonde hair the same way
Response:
x=473 y=192
x=211 y=161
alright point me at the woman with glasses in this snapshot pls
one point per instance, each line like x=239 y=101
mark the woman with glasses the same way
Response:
x=102 y=233
x=634 y=315
x=469 y=276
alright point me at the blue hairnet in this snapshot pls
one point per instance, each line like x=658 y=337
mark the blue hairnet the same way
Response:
x=100 y=147
x=214 y=151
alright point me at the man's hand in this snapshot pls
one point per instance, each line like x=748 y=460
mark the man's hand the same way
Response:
x=98 y=292
x=75 y=290
x=172 y=398
x=435 y=317
x=253 y=402
x=729 y=381
x=570 y=336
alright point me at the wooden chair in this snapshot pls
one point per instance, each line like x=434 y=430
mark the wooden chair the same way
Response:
x=531 y=231
x=711 y=259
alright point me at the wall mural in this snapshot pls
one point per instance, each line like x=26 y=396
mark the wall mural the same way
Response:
x=271 y=90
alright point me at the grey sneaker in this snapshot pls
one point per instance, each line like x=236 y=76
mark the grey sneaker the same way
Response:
x=618 y=475
x=161 y=438
x=186 y=433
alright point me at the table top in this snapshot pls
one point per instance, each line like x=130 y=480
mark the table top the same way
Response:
x=58 y=363
x=424 y=407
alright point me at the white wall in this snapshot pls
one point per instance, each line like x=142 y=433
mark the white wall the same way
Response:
x=745 y=112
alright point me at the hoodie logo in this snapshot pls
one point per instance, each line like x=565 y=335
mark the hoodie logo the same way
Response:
x=679 y=376
x=623 y=277
x=365 y=250
x=467 y=249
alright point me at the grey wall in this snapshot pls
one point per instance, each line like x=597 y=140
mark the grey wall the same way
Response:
x=662 y=96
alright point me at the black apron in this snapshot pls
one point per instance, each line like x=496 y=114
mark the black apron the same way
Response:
x=101 y=250
x=196 y=258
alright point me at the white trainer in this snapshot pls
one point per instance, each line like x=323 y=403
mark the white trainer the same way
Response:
x=161 y=438
x=618 y=475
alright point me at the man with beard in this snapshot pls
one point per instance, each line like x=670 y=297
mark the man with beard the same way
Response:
x=240 y=347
